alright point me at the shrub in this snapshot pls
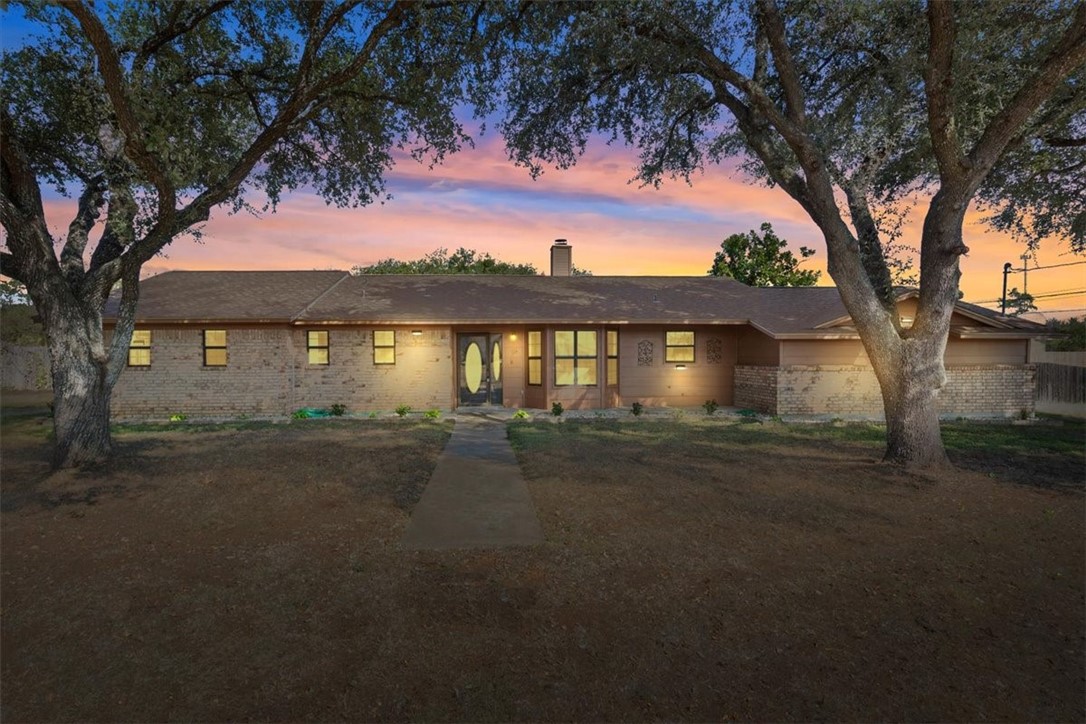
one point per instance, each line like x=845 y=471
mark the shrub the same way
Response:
x=710 y=406
x=299 y=415
x=557 y=409
x=521 y=415
x=433 y=414
x=178 y=417
x=338 y=410
x=373 y=415
x=636 y=409
x=402 y=410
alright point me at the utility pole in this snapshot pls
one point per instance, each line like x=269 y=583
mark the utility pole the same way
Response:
x=1025 y=273
x=1006 y=271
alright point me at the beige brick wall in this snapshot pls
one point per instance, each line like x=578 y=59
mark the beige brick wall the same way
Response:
x=853 y=391
x=268 y=374
x=421 y=378
x=255 y=380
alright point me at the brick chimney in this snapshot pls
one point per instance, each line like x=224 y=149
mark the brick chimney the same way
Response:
x=561 y=258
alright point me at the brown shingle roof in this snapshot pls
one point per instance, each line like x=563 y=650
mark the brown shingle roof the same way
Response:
x=335 y=296
x=205 y=296
x=496 y=299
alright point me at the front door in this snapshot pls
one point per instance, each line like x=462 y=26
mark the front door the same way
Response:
x=480 y=369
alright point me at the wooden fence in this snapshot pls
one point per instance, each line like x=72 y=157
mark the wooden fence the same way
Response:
x=1060 y=382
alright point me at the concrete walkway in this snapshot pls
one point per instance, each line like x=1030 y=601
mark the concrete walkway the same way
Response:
x=476 y=497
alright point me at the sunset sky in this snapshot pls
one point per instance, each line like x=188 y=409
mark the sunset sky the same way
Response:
x=479 y=200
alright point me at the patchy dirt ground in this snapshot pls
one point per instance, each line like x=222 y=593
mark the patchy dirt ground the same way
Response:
x=691 y=572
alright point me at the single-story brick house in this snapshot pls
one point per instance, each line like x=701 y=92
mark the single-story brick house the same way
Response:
x=266 y=343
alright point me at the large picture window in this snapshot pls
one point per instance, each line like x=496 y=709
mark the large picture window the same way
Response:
x=384 y=346
x=574 y=357
x=679 y=347
x=139 y=349
x=535 y=358
x=214 y=348
x=612 y=357
x=316 y=347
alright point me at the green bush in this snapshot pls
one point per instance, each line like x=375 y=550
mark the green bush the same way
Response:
x=338 y=410
x=521 y=415
x=557 y=409
x=178 y=417
x=636 y=409
x=299 y=415
x=710 y=406
x=402 y=410
x=433 y=414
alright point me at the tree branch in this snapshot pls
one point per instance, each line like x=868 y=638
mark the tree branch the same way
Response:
x=90 y=207
x=291 y=114
x=175 y=28
x=1068 y=54
x=126 y=323
x=21 y=210
x=870 y=246
x=938 y=83
x=10 y=267
x=783 y=61
x=109 y=67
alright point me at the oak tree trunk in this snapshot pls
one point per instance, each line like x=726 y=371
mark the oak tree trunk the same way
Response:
x=910 y=386
x=81 y=387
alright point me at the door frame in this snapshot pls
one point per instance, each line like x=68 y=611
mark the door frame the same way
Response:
x=492 y=390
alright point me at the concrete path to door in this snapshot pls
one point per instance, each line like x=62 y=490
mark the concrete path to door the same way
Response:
x=476 y=497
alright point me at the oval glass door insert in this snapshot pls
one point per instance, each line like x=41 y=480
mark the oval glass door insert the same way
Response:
x=473 y=367
x=496 y=362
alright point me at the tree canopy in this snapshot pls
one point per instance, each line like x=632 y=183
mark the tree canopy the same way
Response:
x=440 y=261
x=856 y=111
x=154 y=113
x=1072 y=334
x=763 y=260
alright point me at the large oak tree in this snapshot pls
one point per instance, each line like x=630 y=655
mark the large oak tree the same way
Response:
x=853 y=109
x=155 y=113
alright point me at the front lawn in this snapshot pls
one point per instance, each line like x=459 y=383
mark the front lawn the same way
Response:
x=692 y=571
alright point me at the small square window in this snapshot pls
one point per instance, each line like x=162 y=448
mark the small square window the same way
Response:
x=214 y=347
x=316 y=345
x=384 y=347
x=139 y=349
x=679 y=347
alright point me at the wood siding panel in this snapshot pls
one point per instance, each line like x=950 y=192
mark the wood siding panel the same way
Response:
x=661 y=384
x=757 y=349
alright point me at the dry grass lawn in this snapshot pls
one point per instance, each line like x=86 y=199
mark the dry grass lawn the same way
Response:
x=691 y=572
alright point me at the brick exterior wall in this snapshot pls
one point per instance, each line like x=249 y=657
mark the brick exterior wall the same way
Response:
x=853 y=391
x=268 y=374
x=756 y=388
x=421 y=378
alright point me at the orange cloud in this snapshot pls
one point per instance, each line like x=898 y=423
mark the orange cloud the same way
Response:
x=479 y=200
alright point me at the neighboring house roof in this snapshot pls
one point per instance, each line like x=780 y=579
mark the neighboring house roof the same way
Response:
x=329 y=297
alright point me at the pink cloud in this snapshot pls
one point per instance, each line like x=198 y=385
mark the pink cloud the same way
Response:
x=479 y=200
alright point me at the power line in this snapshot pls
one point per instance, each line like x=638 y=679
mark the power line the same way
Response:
x=1050 y=295
x=1050 y=266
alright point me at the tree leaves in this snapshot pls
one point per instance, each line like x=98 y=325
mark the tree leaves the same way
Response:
x=763 y=260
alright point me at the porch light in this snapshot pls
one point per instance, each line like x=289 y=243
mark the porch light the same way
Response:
x=416 y=332
x=680 y=367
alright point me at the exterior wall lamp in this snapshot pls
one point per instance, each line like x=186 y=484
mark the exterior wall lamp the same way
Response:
x=680 y=367
x=416 y=332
